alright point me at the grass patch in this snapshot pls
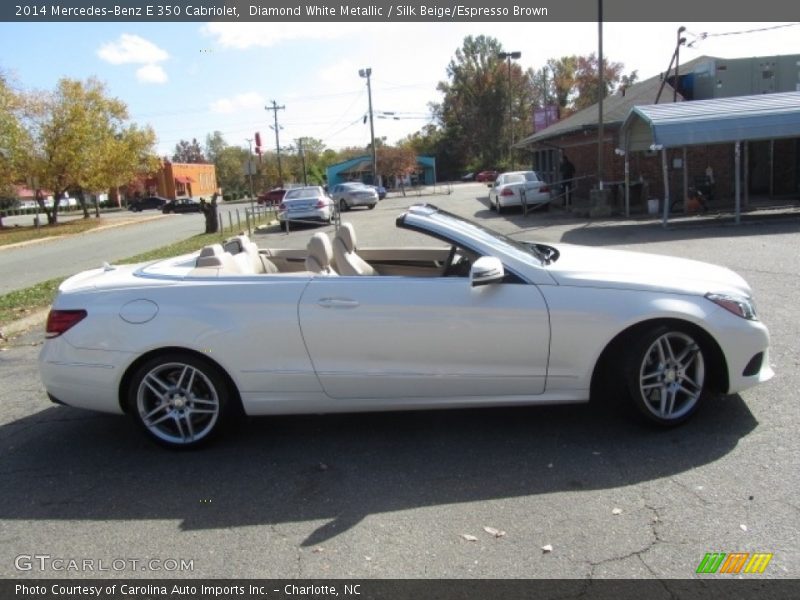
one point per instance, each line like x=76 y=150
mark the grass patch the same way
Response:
x=15 y=235
x=17 y=304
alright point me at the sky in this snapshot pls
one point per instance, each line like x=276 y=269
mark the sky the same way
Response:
x=187 y=80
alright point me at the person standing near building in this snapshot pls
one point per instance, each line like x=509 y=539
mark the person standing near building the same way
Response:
x=567 y=174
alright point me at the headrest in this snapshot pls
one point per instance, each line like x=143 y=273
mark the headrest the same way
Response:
x=320 y=252
x=347 y=234
x=210 y=256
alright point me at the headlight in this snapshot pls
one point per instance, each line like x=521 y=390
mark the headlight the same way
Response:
x=738 y=305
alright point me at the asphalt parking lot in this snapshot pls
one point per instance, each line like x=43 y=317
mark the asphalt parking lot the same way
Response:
x=554 y=492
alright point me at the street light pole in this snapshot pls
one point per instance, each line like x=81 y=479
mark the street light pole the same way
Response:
x=250 y=167
x=367 y=73
x=507 y=56
x=681 y=41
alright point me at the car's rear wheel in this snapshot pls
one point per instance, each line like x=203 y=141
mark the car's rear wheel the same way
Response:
x=343 y=205
x=666 y=375
x=180 y=400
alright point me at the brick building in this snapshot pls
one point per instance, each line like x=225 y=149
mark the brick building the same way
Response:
x=770 y=166
x=183 y=180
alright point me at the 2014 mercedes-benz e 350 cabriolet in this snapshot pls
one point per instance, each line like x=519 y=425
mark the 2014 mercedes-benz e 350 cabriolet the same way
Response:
x=475 y=319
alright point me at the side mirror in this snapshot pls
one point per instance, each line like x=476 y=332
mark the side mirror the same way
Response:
x=486 y=270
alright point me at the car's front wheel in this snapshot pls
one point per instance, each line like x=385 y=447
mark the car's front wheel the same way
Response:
x=666 y=375
x=343 y=205
x=180 y=400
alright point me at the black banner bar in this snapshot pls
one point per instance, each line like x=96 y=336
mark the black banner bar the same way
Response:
x=404 y=11
x=713 y=587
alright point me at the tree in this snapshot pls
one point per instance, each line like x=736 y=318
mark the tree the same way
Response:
x=128 y=157
x=215 y=144
x=473 y=112
x=587 y=80
x=14 y=141
x=188 y=152
x=230 y=164
x=396 y=162
x=81 y=142
x=562 y=80
x=627 y=81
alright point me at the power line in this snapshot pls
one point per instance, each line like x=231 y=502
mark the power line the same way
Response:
x=699 y=37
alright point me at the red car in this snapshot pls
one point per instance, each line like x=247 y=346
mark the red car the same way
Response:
x=273 y=196
x=486 y=176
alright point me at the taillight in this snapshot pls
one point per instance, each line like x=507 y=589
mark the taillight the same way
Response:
x=61 y=321
x=320 y=204
x=507 y=192
x=544 y=188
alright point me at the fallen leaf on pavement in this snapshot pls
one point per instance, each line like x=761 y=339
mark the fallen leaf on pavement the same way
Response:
x=469 y=538
x=495 y=532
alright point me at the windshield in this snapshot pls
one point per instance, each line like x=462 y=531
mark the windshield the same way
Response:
x=520 y=250
x=521 y=177
x=311 y=192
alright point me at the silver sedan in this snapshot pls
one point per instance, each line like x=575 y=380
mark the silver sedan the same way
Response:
x=348 y=195
x=305 y=204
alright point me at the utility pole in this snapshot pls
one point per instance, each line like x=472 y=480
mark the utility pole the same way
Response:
x=367 y=73
x=507 y=56
x=250 y=167
x=275 y=108
x=303 y=158
x=601 y=92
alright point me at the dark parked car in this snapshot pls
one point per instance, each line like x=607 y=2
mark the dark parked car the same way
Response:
x=274 y=196
x=181 y=205
x=140 y=204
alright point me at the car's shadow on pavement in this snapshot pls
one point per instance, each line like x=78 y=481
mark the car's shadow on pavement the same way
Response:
x=63 y=463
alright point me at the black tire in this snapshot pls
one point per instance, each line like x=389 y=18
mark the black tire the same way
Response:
x=371 y=206
x=180 y=400
x=664 y=373
x=343 y=206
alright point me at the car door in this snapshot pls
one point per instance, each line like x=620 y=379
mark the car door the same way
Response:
x=421 y=337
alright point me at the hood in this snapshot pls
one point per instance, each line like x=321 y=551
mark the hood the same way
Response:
x=596 y=267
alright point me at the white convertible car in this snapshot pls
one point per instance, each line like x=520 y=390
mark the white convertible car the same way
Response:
x=186 y=344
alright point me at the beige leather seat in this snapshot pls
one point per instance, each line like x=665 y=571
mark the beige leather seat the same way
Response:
x=214 y=260
x=320 y=255
x=344 y=253
x=245 y=253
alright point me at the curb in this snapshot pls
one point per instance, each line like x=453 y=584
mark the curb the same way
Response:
x=25 y=324
x=123 y=223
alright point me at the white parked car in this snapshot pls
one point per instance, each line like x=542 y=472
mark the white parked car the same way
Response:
x=508 y=190
x=304 y=204
x=353 y=193
x=183 y=345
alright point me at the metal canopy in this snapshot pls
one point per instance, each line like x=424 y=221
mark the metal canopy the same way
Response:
x=720 y=120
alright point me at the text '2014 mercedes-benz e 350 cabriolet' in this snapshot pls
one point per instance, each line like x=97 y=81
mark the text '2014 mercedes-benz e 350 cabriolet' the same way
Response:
x=476 y=318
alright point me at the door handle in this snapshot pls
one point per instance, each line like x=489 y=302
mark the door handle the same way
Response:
x=337 y=303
